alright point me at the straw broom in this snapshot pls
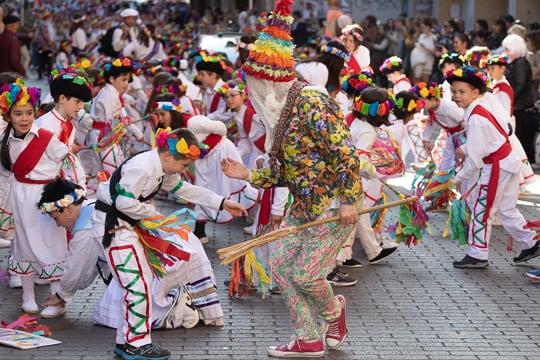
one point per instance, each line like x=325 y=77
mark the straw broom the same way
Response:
x=230 y=253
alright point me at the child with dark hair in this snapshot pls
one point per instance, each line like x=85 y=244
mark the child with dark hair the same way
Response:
x=488 y=158
x=108 y=109
x=122 y=204
x=64 y=56
x=392 y=67
x=69 y=91
x=35 y=157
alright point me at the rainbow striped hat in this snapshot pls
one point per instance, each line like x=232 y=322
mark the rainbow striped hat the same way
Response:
x=271 y=57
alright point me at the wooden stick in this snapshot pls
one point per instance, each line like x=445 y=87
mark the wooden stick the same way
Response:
x=229 y=254
x=525 y=195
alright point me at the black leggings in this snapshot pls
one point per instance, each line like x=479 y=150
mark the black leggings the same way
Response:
x=526 y=131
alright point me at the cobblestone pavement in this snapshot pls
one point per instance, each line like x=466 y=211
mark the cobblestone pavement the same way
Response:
x=414 y=306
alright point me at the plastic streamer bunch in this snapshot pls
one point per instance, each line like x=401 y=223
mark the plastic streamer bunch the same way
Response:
x=248 y=272
x=425 y=91
x=422 y=177
x=153 y=235
x=438 y=190
x=459 y=220
x=115 y=129
x=411 y=223
x=373 y=109
x=377 y=217
x=17 y=94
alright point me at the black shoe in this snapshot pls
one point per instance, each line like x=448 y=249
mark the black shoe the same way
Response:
x=227 y=282
x=339 y=279
x=469 y=262
x=384 y=254
x=528 y=254
x=119 y=349
x=352 y=263
x=144 y=352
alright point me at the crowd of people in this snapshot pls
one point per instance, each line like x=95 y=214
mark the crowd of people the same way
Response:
x=308 y=123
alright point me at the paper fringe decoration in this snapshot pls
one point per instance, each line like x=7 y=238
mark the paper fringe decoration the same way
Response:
x=458 y=221
x=248 y=272
x=438 y=190
x=377 y=217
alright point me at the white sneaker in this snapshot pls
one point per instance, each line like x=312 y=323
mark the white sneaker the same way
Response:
x=53 y=311
x=30 y=307
x=15 y=281
x=5 y=243
x=248 y=230
x=204 y=240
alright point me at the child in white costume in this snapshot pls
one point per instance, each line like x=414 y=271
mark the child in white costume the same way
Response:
x=34 y=156
x=216 y=146
x=122 y=204
x=503 y=95
x=64 y=202
x=108 y=105
x=489 y=158
x=69 y=92
x=251 y=133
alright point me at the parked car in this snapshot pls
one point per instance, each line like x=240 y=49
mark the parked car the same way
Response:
x=223 y=42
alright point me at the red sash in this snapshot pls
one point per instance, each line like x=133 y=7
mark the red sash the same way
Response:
x=30 y=156
x=248 y=118
x=353 y=64
x=215 y=103
x=349 y=119
x=259 y=143
x=212 y=140
x=506 y=88
x=450 y=130
x=265 y=209
x=493 y=158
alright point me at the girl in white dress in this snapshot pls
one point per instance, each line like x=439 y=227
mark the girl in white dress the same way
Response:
x=35 y=157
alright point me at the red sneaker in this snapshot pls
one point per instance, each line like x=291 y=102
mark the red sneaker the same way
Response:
x=298 y=348
x=336 y=332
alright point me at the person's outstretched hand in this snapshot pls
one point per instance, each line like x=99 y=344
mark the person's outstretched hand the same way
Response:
x=234 y=169
x=234 y=208
x=348 y=215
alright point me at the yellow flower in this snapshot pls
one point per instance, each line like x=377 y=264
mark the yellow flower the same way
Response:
x=117 y=62
x=318 y=209
x=424 y=93
x=182 y=146
x=335 y=138
x=85 y=63
x=307 y=162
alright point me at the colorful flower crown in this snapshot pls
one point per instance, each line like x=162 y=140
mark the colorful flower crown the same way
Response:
x=335 y=51
x=171 y=142
x=231 y=85
x=426 y=91
x=213 y=58
x=125 y=62
x=412 y=106
x=475 y=58
x=175 y=89
x=498 y=60
x=352 y=30
x=453 y=58
x=173 y=105
x=391 y=64
x=68 y=199
x=68 y=74
x=17 y=94
x=65 y=43
x=478 y=78
x=357 y=82
x=373 y=109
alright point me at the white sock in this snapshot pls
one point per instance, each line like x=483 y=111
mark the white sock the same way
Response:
x=27 y=282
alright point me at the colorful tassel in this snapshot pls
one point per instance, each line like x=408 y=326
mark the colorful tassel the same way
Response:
x=459 y=220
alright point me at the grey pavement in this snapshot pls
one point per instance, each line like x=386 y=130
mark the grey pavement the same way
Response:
x=413 y=306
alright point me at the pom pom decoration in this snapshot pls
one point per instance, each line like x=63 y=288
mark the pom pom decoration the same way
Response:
x=176 y=145
x=426 y=91
x=498 y=60
x=17 y=94
x=373 y=109
x=468 y=74
x=391 y=64
x=272 y=55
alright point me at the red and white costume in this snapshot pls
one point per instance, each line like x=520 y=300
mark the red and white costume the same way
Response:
x=251 y=135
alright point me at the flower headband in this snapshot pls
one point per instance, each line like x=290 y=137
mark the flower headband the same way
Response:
x=175 y=89
x=231 y=85
x=68 y=199
x=118 y=63
x=213 y=58
x=171 y=142
x=167 y=105
x=17 y=94
x=412 y=106
x=452 y=58
x=373 y=109
x=353 y=30
x=468 y=73
x=476 y=58
x=498 y=60
x=335 y=51
x=426 y=91
x=393 y=63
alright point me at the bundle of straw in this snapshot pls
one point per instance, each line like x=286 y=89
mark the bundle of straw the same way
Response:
x=229 y=254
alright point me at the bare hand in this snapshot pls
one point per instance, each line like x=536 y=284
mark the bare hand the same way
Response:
x=427 y=146
x=460 y=154
x=234 y=208
x=348 y=215
x=53 y=300
x=275 y=220
x=458 y=187
x=234 y=169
